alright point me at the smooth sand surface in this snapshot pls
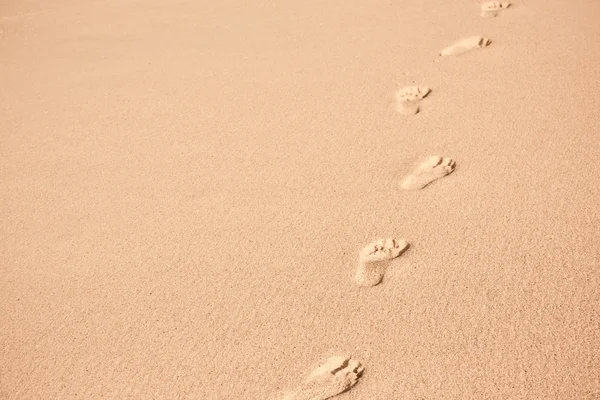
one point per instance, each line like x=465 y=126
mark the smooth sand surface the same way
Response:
x=186 y=186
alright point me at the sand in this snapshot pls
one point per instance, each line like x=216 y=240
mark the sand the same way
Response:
x=186 y=187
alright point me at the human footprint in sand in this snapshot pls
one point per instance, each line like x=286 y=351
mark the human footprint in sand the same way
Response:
x=431 y=169
x=464 y=45
x=490 y=9
x=408 y=99
x=374 y=259
x=336 y=375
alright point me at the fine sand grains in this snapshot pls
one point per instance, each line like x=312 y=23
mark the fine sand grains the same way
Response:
x=464 y=45
x=336 y=375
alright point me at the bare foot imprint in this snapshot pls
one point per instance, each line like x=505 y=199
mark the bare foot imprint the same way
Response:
x=374 y=259
x=336 y=375
x=409 y=98
x=464 y=45
x=490 y=9
x=429 y=170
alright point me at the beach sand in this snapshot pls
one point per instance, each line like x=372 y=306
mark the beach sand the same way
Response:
x=186 y=186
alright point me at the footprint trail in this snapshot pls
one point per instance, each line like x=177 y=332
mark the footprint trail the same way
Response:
x=490 y=9
x=431 y=169
x=375 y=258
x=464 y=45
x=408 y=99
x=336 y=375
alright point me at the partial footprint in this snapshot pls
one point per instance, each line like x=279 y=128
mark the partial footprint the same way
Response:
x=409 y=98
x=464 y=45
x=490 y=9
x=336 y=375
x=374 y=259
x=429 y=170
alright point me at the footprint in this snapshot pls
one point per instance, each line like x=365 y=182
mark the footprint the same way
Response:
x=374 y=259
x=490 y=9
x=429 y=170
x=409 y=98
x=464 y=45
x=336 y=375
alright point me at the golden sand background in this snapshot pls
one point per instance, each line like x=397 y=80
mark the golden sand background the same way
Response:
x=186 y=185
